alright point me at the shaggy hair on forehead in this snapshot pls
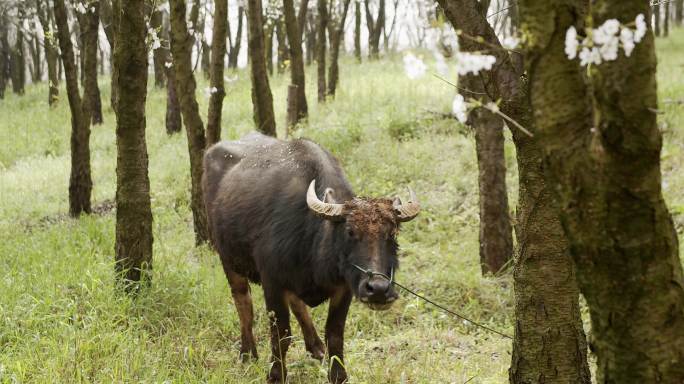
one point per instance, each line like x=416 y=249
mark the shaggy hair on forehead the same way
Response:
x=371 y=218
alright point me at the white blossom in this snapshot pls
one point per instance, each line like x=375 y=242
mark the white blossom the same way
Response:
x=571 y=44
x=609 y=50
x=641 y=28
x=590 y=56
x=627 y=40
x=441 y=65
x=510 y=42
x=459 y=108
x=415 y=67
x=473 y=63
x=168 y=64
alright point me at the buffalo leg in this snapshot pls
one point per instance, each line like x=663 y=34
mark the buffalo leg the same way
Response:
x=279 y=315
x=311 y=340
x=334 y=334
x=239 y=287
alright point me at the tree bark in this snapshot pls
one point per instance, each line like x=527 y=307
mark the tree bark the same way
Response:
x=294 y=38
x=181 y=48
x=133 y=247
x=496 y=240
x=109 y=20
x=357 y=30
x=283 y=49
x=18 y=60
x=262 y=98
x=4 y=55
x=51 y=55
x=321 y=47
x=679 y=12
x=173 y=120
x=656 y=16
x=549 y=343
x=310 y=41
x=89 y=23
x=218 y=53
x=234 y=51
x=34 y=48
x=158 y=55
x=269 y=29
x=602 y=149
x=80 y=182
x=375 y=27
x=666 y=25
x=336 y=32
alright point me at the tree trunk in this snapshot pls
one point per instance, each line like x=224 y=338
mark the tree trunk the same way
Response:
x=549 y=341
x=336 y=32
x=234 y=52
x=218 y=53
x=269 y=47
x=133 y=247
x=496 y=241
x=656 y=15
x=158 y=55
x=357 y=30
x=310 y=41
x=262 y=98
x=18 y=60
x=4 y=55
x=51 y=56
x=283 y=49
x=321 y=48
x=375 y=27
x=34 y=48
x=666 y=25
x=173 y=121
x=679 y=12
x=605 y=161
x=513 y=18
x=181 y=48
x=294 y=38
x=108 y=24
x=291 y=109
x=80 y=182
x=89 y=23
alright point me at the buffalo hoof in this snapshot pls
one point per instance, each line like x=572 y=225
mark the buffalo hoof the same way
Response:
x=248 y=354
x=277 y=375
x=316 y=349
x=337 y=375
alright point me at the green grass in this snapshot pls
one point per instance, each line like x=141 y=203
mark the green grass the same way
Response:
x=61 y=320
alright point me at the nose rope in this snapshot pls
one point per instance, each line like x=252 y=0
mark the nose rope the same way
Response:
x=371 y=273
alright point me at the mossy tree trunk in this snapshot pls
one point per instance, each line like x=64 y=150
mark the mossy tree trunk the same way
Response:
x=336 y=33
x=321 y=47
x=605 y=160
x=80 y=182
x=158 y=55
x=294 y=25
x=549 y=343
x=283 y=49
x=44 y=14
x=181 y=49
x=133 y=247
x=496 y=239
x=357 y=30
x=18 y=60
x=236 y=43
x=375 y=27
x=218 y=52
x=262 y=98
x=89 y=23
x=4 y=55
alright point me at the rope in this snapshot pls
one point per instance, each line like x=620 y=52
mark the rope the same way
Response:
x=443 y=308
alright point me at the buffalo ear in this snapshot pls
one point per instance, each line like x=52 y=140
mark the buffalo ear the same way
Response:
x=397 y=201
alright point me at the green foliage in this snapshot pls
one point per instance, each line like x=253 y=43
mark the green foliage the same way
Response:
x=62 y=321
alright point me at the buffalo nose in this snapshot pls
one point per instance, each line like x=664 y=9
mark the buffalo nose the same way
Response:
x=376 y=289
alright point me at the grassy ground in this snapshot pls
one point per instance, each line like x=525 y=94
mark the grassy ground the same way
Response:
x=61 y=320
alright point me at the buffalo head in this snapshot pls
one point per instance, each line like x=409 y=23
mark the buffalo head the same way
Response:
x=369 y=239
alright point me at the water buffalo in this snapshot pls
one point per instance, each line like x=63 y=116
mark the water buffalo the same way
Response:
x=269 y=226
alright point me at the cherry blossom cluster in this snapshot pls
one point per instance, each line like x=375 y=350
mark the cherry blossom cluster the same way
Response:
x=603 y=43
